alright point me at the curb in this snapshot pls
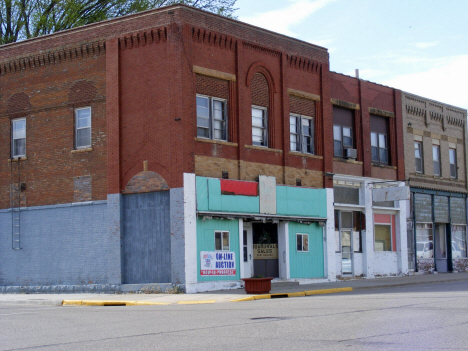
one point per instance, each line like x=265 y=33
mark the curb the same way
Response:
x=110 y=303
x=294 y=294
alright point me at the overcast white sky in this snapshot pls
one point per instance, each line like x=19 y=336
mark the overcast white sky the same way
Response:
x=420 y=46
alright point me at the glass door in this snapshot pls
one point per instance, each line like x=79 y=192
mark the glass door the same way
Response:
x=441 y=248
x=346 y=252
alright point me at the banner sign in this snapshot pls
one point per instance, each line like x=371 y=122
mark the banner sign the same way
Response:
x=217 y=263
x=395 y=193
x=265 y=251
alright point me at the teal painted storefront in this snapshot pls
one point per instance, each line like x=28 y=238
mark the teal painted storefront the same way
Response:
x=293 y=204
x=206 y=242
x=306 y=264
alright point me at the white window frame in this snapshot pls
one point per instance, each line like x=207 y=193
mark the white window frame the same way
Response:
x=436 y=161
x=343 y=147
x=420 y=149
x=13 y=138
x=380 y=148
x=302 y=235
x=299 y=134
x=264 y=129
x=391 y=236
x=229 y=239
x=90 y=126
x=453 y=166
x=211 y=118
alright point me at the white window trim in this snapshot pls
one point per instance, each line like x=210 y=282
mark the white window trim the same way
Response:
x=438 y=160
x=229 y=237
x=421 y=158
x=301 y=140
x=343 y=147
x=391 y=236
x=13 y=139
x=211 y=99
x=90 y=127
x=455 y=164
x=302 y=242
x=265 y=129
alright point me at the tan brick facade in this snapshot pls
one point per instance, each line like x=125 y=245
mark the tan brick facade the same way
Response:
x=434 y=123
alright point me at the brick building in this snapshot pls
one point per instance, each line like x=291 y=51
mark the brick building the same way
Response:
x=177 y=146
x=435 y=157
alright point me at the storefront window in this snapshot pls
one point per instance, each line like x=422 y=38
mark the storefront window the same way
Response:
x=424 y=240
x=459 y=241
x=383 y=237
x=222 y=241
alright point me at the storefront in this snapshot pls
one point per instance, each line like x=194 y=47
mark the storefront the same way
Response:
x=369 y=235
x=439 y=241
x=246 y=229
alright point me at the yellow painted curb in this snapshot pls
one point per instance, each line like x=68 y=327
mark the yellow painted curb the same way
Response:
x=195 y=302
x=327 y=291
x=250 y=298
x=71 y=302
x=297 y=294
x=261 y=297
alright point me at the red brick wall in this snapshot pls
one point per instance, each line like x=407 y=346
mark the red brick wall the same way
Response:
x=212 y=87
x=376 y=96
x=259 y=91
x=301 y=106
x=46 y=97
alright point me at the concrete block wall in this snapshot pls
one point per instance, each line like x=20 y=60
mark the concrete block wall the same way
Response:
x=63 y=245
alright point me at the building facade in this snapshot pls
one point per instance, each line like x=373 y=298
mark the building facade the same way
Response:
x=367 y=122
x=435 y=157
x=175 y=146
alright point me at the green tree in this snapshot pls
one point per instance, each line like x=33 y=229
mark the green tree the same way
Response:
x=24 y=19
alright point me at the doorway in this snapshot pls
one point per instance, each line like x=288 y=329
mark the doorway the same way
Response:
x=441 y=248
x=265 y=249
x=247 y=247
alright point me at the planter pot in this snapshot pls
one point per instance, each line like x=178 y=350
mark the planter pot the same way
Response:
x=257 y=285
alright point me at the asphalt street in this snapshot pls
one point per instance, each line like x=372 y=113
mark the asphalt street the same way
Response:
x=419 y=317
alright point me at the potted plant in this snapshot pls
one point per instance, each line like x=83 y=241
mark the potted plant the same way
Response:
x=257 y=285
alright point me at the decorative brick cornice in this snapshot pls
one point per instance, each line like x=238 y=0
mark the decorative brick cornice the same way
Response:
x=143 y=38
x=415 y=111
x=261 y=49
x=345 y=104
x=53 y=57
x=303 y=64
x=211 y=38
x=383 y=113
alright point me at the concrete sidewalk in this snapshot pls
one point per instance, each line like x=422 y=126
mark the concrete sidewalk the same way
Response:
x=279 y=289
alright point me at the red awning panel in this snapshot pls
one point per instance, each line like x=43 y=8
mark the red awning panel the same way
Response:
x=238 y=187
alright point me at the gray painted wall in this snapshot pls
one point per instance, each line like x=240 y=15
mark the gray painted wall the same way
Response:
x=61 y=245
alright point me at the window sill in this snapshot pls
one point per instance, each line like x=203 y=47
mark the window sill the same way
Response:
x=79 y=151
x=214 y=141
x=347 y=161
x=383 y=165
x=263 y=148
x=300 y=154
x=16 y=159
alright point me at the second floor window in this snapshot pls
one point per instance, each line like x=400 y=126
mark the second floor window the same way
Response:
x=342 y=131
x=259 y=126
x=418 y=157
x=453 y=163
x=211 y=118
x=18 y=138
x=83 y=127
x=379 y=139
x=436 y=159
x=301 y=129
